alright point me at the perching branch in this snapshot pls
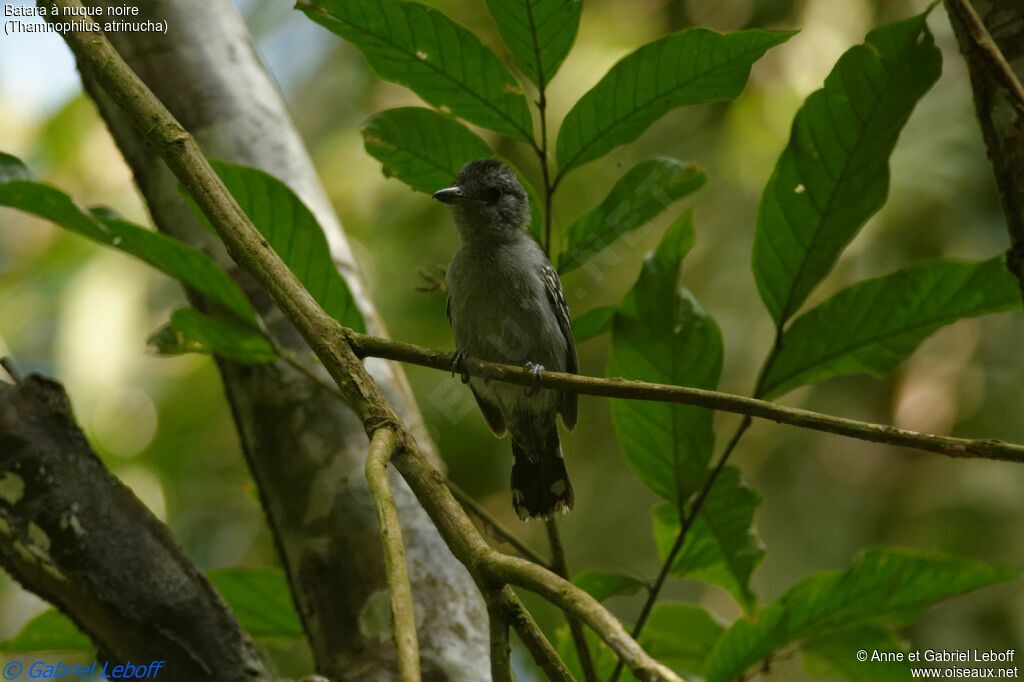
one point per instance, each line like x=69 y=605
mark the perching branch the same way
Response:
x=371 y=346
x=329 y=340
x=382 y=446
x=991 y=37
x=73 y=534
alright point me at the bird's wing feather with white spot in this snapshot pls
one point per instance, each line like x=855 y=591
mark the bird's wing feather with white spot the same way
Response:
x=553 y=285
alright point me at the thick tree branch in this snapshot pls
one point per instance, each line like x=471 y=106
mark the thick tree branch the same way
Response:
x=305 y=448
x=370 y=346
x=383 y=443
x=991 y=37
x=329 y=340
x=74 y=535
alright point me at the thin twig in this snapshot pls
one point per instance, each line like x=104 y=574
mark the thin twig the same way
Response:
x=403 y=618
x=330 y=341
x=505 y=602
x=579 y=637
x=686 y=522
x=494 y=526
x=501 y=665
x=371 y=346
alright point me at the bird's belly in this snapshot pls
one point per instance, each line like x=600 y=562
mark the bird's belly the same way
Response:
x=512 y=334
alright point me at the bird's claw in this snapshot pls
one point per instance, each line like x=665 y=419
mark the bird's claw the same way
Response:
x=537 y=371
x=459 y=365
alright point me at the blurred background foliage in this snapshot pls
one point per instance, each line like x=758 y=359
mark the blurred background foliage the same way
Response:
x=81 y=313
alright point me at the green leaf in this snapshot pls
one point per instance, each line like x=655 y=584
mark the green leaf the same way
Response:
x=721 y=547
x=688 y=67
x=678 y=635
x=261 y=599
x=875 y=324
x=681 y=636
x=594 y=322
x=834 y=174
x=882 y=583
x=538 y=33
x=50 y=631
x=640 y=195
x=603 y=657
x=836 y=655
x=420 y=147
x=661 y=334
x=442 y=62
x=174 y=258
x=293 y=232
x=601 y=585
x=426 y=150
x=190 y=331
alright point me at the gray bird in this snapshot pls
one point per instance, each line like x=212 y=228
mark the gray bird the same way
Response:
x=505 y=304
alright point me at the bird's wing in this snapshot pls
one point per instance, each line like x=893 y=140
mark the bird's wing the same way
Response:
x=553 y=285
x=448 y=309
x=492 y=414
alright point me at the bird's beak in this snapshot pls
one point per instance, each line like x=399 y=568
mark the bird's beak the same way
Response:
x=449 y=195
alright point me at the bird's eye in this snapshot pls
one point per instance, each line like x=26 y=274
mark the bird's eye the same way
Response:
x=492 y=195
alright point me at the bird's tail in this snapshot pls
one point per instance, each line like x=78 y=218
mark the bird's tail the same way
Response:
x=540 y=482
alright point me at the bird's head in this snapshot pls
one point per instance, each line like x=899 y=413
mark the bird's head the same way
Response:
x=487 y=200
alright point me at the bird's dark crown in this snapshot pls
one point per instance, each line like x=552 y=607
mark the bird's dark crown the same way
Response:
x=488 y=180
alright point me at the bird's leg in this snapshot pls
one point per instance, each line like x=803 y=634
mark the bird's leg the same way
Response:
x=538 y=372
x=459 y=364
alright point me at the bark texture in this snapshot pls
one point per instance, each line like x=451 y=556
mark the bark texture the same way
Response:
x=305 y=449
x=73 y=534
x=991 y=38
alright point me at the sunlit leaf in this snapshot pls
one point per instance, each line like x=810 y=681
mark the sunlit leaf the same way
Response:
x=174 y=258
x=661 y=334
x=442 y=62
x=641 y=194
x=190 y=331
x=882 y=583
x=689 y=67
x=426 y=150
x=293 y=232
x=538 y=33
x=720 y=547
x=874 y=325
x=834 y=173
x=420 y=147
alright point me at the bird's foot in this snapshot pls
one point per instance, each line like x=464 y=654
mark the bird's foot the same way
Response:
x=537 y=371
x=459 y=365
